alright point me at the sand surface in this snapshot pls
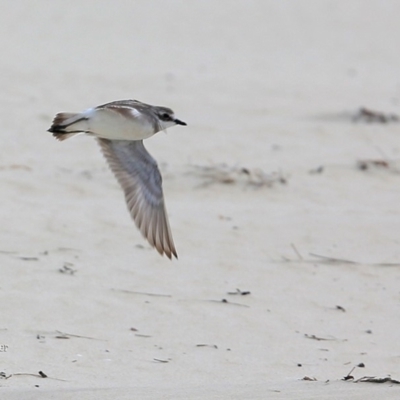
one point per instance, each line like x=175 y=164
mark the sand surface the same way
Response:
x=267 y=88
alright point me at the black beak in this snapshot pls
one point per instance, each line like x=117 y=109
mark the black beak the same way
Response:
x=179 y=122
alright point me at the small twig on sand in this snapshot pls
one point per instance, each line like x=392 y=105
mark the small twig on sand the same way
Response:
x=160 y=361
x=141 y=293
x=319 y=338
x=367 y=115
x=228 y=302
x=351 y=377
x=333 y=259
x=66 y=249
x=240 y=292
x=207 y=345
x=296 y=251
x=40 y=374
x=67 y=269
x=65 y=335
x=344 y=261
x=308 y=378
x=382 y=164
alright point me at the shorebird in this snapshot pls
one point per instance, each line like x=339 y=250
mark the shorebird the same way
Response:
x=120 y=127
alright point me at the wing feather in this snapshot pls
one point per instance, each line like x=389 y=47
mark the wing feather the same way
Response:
x=138 y=174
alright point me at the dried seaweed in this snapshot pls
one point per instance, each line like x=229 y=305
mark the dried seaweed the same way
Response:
x=382 y=164
x=373 y=379
x=367 y=115
x=229 y=175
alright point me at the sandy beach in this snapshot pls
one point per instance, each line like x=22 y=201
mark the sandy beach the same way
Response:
x=283 y=199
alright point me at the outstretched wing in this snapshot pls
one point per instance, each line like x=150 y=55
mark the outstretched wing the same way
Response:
x=138 y=174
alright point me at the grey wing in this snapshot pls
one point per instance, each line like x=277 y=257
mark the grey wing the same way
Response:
x=138 y=174
x=124 y=103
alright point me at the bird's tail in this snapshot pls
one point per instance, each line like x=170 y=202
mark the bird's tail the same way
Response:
x=66 y=125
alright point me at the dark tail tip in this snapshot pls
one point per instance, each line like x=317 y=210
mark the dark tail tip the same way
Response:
x=54 y=129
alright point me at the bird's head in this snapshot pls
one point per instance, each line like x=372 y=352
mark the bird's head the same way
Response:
x=167 y=118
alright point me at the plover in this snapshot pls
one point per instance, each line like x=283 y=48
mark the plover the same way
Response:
x=120 y=127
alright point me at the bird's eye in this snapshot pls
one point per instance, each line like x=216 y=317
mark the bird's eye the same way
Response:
x=166 y=117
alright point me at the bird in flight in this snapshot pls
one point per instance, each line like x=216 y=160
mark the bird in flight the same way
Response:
x=120 y=127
